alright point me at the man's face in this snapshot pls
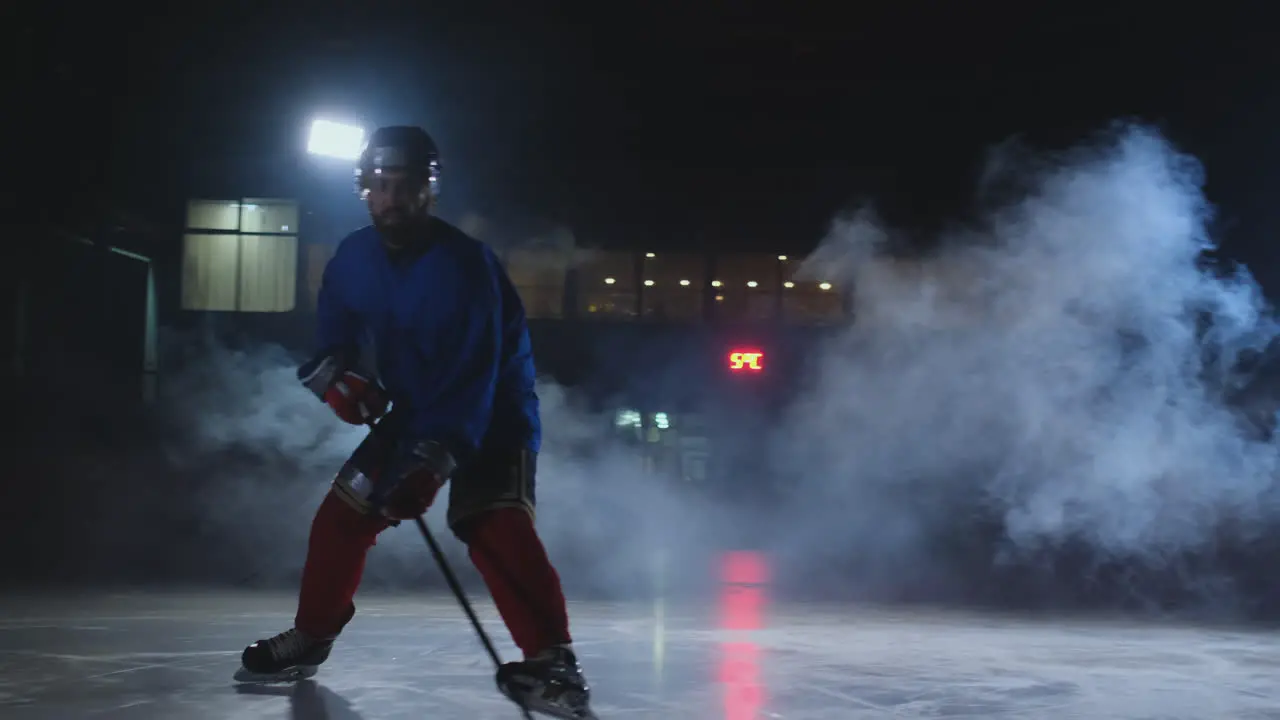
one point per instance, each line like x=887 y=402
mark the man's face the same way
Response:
x=396 y=199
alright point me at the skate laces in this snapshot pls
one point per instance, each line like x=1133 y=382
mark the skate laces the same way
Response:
x=289 y=644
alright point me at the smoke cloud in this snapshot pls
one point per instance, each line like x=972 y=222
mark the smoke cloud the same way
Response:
x=1039 y=405
x=260 y=451
x=1052 y=381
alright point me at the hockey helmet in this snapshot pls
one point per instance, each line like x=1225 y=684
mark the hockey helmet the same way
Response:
x=400 y=147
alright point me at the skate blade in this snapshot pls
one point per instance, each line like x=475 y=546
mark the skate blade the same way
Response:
x=293 y=674
x=538 y=705
x=556 y=711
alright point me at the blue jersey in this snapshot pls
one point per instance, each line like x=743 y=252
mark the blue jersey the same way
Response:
x=447 y=331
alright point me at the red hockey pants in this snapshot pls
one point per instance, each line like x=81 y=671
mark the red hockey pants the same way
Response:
x=502 y=543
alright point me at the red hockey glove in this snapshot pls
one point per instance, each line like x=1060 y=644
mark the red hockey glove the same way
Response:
x=356 y=399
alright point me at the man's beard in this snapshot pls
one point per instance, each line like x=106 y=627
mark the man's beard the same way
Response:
x=399 y=229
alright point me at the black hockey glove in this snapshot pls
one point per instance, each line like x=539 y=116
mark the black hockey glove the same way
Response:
x=416 y=472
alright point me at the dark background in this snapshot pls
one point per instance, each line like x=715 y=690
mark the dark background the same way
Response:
x=734 y=124
x=717 y=125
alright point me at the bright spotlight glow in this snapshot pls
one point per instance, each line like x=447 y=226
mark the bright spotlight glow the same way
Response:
x=335 y=140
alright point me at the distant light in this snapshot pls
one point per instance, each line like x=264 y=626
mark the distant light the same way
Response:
x=609 y=281
x=746 y=360
x=752 y=283
x=648 y=283
x=284 y=228
x=716 y=283
x=662 y=421
x=824 y=286
x=783 y=258
x=335 y=140
x=649 y=255
x=627 y=418
x=685 y=283
x=788 y=284
x=719 y=298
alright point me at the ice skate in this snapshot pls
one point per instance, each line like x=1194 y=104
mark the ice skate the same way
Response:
x=292 y=655
x=551 y=684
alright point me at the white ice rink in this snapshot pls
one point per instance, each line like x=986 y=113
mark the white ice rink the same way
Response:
x=172 y=656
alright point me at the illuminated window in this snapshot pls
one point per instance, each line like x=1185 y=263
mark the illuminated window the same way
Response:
x=268 y=273
x=749 y=284
x=808 y=299
x=673 y=286
x=266 y=215
x=213 y=215
x=236 y=257
x=539 y=276
x=607 y=285
x=209 y=264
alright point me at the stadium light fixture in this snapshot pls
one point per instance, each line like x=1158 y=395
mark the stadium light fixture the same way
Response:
x=336 y=140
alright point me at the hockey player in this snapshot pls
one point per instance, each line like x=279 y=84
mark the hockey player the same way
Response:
x=455 y=368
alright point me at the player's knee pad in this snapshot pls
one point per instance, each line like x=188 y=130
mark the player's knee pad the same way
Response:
x=494 y=479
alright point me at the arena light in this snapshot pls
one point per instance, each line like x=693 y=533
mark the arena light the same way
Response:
x=746 y=360
x=335 y=140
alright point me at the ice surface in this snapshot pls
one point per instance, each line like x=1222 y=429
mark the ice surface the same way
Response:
x=172 y=656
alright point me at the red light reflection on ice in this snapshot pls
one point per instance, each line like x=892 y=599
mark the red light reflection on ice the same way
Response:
x=744 y=576
x=744 y=568
x=740 y=673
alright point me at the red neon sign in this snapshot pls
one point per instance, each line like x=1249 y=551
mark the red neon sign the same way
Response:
x=745 y=360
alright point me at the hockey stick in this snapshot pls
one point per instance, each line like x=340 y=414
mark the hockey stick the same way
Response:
x=459 y=593
x=461 y=596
